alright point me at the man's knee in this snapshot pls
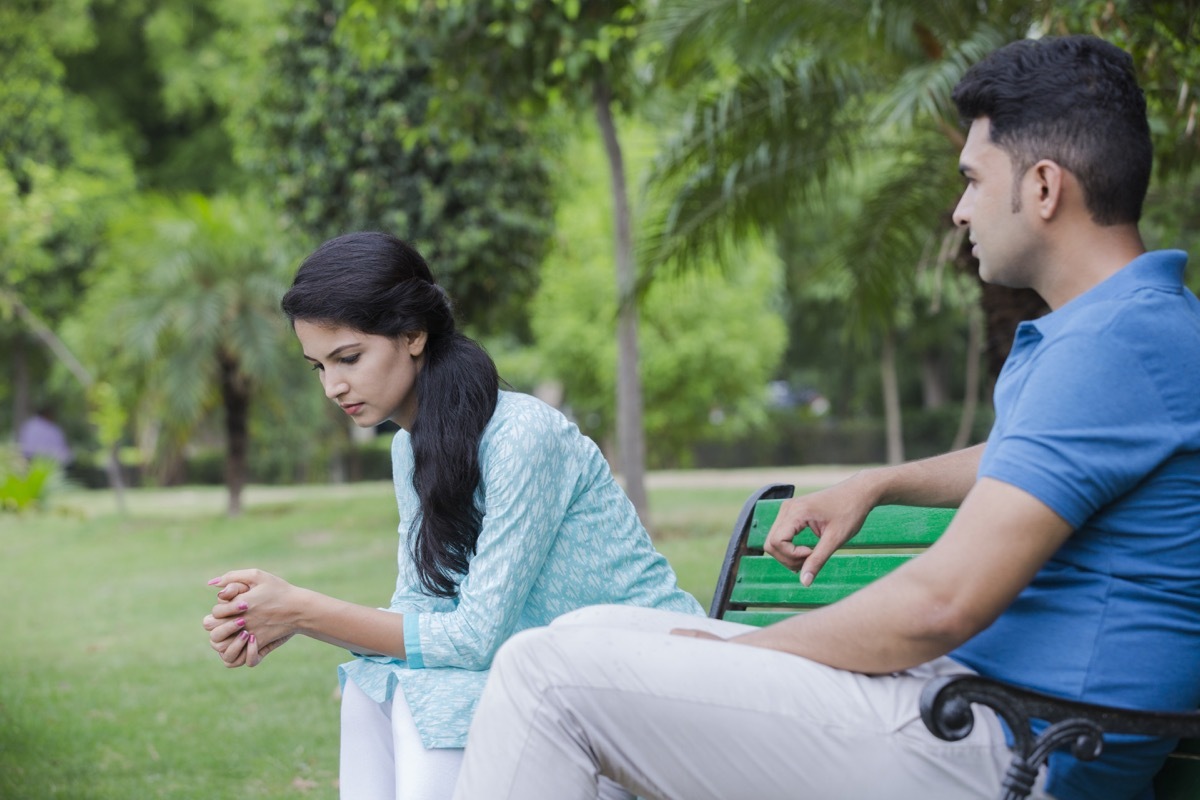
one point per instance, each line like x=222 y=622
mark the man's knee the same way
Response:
x=538 y=660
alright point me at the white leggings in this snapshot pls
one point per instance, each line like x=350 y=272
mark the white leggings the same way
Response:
x=382 y=757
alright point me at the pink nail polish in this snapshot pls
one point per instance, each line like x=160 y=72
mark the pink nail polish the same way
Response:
x=242 y=606
x=241 y=622
x=252 y=637
x=214 y=581
x=244 y=635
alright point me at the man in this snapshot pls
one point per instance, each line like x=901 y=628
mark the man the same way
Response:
x=1072 y=565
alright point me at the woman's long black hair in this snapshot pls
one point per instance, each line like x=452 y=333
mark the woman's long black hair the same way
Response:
x=377 y=284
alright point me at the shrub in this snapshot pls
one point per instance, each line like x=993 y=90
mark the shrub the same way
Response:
x=25 y=486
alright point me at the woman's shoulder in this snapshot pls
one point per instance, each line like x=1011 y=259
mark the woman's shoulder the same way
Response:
x=523 y=423
x=516 y=411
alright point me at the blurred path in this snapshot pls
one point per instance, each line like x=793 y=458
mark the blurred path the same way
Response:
x=185 y=500
x=801 y=477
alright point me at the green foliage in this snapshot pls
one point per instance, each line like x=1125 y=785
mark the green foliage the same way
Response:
x=60 y=179
x=187 y=298
x=58 y=176
x=345 y=144
x=26 y=486
x=709 y=342
x=784 y=91
x=530 y=52
x=164 y=75
x=830 y=126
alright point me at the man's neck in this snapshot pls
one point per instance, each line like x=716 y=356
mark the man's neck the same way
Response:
x=1089 y=256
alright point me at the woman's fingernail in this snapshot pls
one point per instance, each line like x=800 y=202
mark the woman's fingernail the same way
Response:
x=252 y=637
x=242 y=606
x=214 y=581
x=245 y=635
x=241 y=623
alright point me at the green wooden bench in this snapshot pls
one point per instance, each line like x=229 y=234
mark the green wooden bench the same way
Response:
x=755 y=589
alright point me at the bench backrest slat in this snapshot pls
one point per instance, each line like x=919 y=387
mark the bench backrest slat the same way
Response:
x=761 y=580
x=762 y=591
x=885 y=526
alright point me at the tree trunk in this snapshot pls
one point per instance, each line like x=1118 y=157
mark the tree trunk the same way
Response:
x=631 y=444
x=1004 y=309
x=962 y=437
x=891 y=398
x=235 y=396
x=933 y=380
x=22 y=408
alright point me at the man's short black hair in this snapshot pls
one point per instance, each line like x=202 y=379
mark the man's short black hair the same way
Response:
x=1074 y=100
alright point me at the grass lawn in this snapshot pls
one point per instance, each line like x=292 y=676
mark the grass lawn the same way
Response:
x=109 y=689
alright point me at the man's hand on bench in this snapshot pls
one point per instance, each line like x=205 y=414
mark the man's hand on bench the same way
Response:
x=834 y=515
x=697 y=634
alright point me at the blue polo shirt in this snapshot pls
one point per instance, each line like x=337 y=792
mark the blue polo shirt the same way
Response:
x=1098 y=416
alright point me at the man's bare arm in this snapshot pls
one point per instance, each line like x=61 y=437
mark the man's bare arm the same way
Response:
x=992 y=549
x=837 y=513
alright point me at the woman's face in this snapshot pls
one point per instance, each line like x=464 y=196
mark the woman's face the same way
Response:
x=372 y=378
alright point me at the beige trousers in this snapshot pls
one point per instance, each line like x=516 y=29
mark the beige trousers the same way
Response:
x=603 y=692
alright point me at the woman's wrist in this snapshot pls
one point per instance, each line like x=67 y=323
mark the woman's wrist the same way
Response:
x=305 y=611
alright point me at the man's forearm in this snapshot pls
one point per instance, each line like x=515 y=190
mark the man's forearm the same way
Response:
x=993 y=548
x=942 y=481
x=872 y=631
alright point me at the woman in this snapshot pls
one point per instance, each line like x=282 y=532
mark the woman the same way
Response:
x=509 y=517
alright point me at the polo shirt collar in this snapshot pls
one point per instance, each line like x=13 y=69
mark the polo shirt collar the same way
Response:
x=1161 y=269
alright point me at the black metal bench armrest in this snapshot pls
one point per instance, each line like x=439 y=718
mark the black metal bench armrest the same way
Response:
x=946 y=711
x=737 y=544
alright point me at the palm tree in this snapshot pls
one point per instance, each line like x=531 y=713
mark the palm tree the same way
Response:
x=802 y=101
x=197 y=310
x=789 y=95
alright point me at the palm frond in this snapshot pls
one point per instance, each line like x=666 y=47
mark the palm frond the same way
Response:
x=743 y=155
x=921 y=95
x=902 y=220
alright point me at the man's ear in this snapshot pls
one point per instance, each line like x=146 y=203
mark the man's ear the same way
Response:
x=1048 y=178
x=415 y=342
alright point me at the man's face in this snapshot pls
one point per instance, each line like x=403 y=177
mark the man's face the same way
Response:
x=999 y=223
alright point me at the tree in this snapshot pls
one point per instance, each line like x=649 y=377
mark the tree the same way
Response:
x=153 y=70
x=186 y=316
x=710 y=343
x=346 y=143
x=538 y=54
x=58 y=179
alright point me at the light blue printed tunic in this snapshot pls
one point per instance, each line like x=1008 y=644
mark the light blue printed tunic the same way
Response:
x=558 y=534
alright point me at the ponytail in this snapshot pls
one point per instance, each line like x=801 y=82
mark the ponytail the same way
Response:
x=456 y=397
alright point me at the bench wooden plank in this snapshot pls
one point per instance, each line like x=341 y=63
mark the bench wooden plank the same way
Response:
x=761 y=580
x=885 y=526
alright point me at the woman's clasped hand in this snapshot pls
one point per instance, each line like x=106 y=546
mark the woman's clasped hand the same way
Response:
x=242 y=636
